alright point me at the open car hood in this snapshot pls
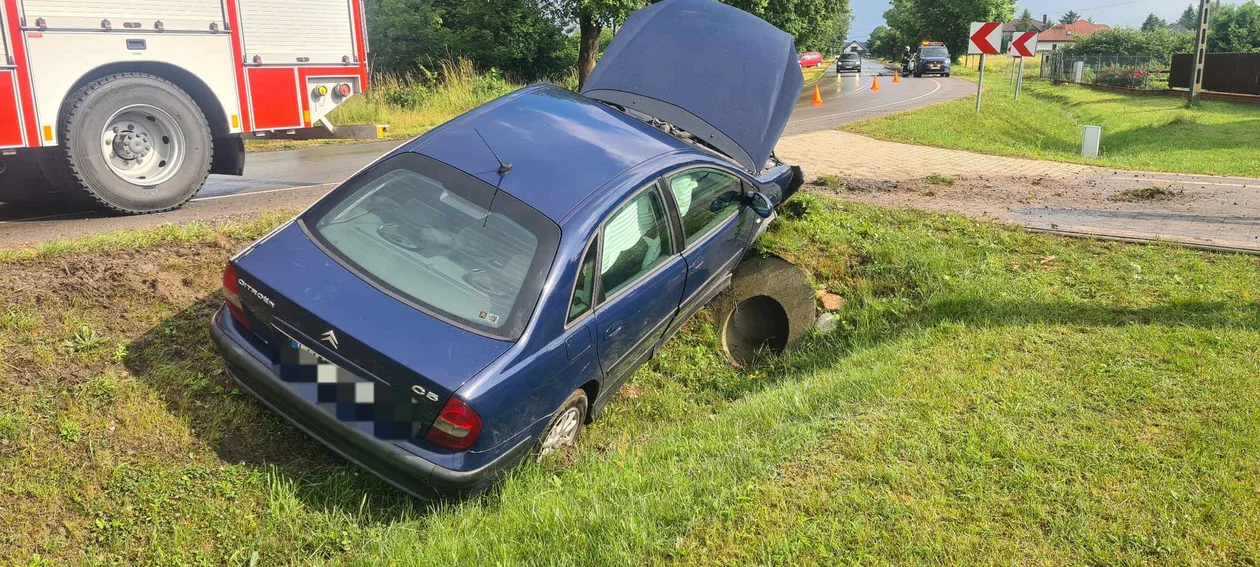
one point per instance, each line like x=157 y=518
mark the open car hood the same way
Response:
x=725 y=76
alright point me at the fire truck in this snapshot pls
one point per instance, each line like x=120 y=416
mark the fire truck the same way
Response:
x=135 y=103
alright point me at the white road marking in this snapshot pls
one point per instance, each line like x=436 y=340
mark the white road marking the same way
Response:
x=938 y=87
x=46 y=217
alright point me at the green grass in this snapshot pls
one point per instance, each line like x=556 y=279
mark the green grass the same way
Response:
x=989 y=397
x=1150 y=133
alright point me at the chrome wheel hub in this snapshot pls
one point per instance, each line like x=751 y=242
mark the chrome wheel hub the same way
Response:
x=143 y=145
x=563 y=432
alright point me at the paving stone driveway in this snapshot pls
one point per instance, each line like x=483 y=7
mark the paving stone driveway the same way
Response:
x=1205 y=211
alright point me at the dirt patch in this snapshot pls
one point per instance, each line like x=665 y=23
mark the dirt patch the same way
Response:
x=1142 y=194
x=60 y=311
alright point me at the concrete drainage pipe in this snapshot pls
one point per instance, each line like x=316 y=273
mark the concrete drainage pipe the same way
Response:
x=769 y=306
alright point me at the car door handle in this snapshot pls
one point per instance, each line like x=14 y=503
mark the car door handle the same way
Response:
x=696 y=264
x=613 y=331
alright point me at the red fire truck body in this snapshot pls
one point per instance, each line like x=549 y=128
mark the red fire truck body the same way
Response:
x=137 y=102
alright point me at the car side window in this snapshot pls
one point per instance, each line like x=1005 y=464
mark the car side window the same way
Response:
x=636 y=240
x=584 y=289
x=706 y=198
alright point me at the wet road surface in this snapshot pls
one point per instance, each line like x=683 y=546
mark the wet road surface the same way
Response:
x=296 y=178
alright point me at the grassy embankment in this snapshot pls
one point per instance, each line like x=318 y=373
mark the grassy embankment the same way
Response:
x=990 y=397
x=1153 y=133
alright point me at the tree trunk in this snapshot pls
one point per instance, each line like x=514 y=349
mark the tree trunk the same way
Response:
x=588 y=49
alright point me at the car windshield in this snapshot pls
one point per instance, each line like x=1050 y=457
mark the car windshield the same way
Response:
x=934 y=52
x=442 y=241
x=849 y=57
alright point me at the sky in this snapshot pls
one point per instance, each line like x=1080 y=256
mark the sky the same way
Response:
x=1116 y=13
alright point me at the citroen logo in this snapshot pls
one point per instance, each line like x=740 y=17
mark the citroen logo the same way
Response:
x=330 y=337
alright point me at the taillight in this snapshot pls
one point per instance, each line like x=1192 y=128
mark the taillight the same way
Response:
x=457 y=426
x=232 y=292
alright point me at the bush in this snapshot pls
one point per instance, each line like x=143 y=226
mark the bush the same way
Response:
x=1122 y=76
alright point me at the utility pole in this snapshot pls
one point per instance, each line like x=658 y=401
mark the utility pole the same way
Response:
x=1200 y=50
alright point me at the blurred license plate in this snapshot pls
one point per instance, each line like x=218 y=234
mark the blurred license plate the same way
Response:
x=935 y=66
x=367 y=405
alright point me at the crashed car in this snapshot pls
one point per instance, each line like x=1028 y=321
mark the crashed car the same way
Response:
x=480 y=293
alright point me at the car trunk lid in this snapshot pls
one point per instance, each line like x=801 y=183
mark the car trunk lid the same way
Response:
x=399 y=365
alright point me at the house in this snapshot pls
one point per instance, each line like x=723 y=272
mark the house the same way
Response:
x=858 y=47
x=1012 y=27
x=1066 y=34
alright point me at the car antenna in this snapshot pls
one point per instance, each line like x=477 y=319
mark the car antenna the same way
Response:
x=504 y=168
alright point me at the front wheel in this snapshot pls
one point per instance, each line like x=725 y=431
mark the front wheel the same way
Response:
x=136 y=143
x=565 y=426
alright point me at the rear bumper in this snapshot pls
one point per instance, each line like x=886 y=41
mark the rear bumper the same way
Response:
x=395 y=465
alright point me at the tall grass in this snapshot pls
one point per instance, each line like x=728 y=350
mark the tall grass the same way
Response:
x=411 y=104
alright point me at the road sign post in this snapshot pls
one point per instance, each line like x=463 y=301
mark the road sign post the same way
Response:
x=1022 y=45
x=1019 y=83
x=985 y=39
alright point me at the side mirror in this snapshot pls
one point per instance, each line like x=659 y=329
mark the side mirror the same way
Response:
x=761 y=205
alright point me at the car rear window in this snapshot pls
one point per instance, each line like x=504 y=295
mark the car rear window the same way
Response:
x=934 y=52
x=440 y=240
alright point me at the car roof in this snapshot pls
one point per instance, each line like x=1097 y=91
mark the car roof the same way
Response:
x=562 y=146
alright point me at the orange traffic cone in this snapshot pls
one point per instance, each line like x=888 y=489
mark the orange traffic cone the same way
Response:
x=817 y=96
x=896 y=77
x=875 y=85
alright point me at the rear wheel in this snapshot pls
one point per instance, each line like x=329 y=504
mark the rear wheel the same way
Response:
x=136 y=143
x=565 y=426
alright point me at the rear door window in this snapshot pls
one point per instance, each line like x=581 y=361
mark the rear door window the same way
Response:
x=636 y=240
x=440 y=240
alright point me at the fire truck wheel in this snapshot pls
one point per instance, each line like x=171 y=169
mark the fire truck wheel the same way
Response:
x=136 y=143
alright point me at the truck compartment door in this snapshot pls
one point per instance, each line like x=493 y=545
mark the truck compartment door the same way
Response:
x=10 y=121
x=298 y=31
x=274 y=97
x=175 y=15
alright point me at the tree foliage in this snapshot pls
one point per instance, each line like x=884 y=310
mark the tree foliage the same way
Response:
x=1235 y=28
x=816 y=25
x=1153 y=23
x=515 y=36
x=1161 y=43
x=948 y=21
x=1071 y=17
x=1025 y=22
x=1190 y=18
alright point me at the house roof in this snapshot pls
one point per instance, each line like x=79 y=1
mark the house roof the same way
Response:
x=860 y=44
x=1011 y=27
x=1070 y=32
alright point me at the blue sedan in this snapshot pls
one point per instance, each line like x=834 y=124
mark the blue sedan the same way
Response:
x=481 y=293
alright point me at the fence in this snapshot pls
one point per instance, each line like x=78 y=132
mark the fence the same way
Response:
x=1144 y=72
x=1237 y=73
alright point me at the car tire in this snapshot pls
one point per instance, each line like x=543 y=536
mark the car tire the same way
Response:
x=136 y=143
x=946 y=74
x=918 y=75
x=566 y=425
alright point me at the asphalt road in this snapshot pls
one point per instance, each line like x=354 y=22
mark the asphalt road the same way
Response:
x=294 y=179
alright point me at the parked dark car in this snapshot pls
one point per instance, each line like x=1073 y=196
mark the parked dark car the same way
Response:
x=932 y=59
x=851 y=62
x=481 y=292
